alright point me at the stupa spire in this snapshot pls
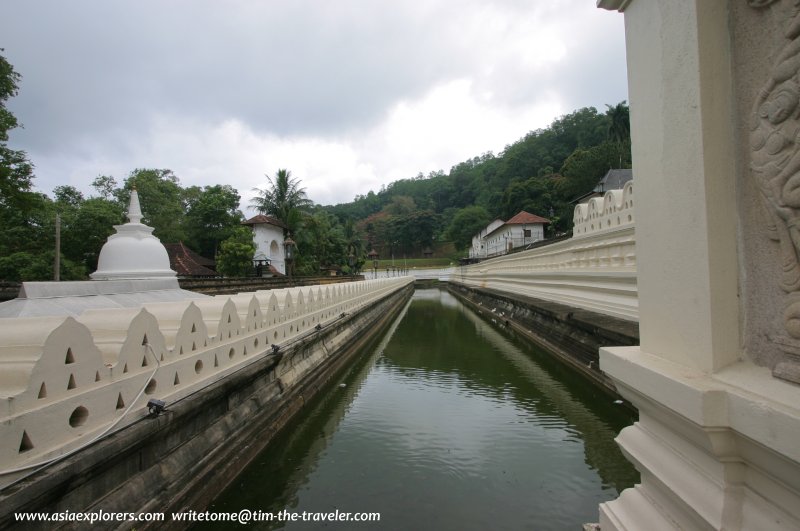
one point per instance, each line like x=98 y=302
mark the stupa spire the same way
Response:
x=134 y=209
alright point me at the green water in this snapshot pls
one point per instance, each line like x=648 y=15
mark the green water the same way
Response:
x=450 y=423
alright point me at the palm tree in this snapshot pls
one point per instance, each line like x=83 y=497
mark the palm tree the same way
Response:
x=283 y=200
x=619 y=126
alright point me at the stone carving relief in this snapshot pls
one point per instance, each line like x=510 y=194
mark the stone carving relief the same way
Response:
x=775 y=166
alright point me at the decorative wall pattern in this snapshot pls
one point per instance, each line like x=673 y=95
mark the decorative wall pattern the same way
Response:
x=65 y=382
x=775 y=167
x=610 y=212
x=594 y=270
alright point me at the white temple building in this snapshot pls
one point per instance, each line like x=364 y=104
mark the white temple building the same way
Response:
x=268 y=239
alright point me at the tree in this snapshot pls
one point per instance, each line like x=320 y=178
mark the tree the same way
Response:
x=68 y=195
x=321 y=242
x=16 y=171
x=87 y=228
x=619 y=122
x=105 y=185
x=466 y=223
x=283 y=200
x=213 y=216
x=235 y=257
x=585 y=167
x=162 y=200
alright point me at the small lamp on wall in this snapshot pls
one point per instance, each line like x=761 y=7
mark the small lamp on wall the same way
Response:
x=289 y=247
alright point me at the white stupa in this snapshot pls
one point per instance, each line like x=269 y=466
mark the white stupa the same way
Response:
x=133 y=252
x=133 y=269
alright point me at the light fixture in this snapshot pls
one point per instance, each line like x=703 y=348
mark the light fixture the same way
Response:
x=156 y=407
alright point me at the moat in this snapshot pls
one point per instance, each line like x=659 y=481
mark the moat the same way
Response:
x=450 y=422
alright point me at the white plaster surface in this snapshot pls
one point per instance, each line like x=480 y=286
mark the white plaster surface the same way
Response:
x=65 y=381
x=269 y=244
x=39 y=299
x=717 y=438
x=133 y=252
x=594 y=271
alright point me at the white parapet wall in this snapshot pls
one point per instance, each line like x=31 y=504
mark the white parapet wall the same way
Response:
x=65 y=382
x=594 y=270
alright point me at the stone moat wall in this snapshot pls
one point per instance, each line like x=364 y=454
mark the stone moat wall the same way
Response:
x=572 y=335
x=182 y=458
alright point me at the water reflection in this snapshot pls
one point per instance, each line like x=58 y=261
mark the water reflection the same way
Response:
x=451 y=423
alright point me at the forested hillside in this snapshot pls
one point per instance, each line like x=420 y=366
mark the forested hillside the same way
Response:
x=540 y=173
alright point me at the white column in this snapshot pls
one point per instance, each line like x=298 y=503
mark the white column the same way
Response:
x=718 y=439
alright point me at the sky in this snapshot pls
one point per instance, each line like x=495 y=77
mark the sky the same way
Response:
x=349 y=95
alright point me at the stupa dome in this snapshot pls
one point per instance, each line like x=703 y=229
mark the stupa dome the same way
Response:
x=133 y=252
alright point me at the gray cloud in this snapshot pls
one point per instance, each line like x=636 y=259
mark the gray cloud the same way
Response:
x=100 y=77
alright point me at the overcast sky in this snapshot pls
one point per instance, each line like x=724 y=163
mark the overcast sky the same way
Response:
x=347 y=94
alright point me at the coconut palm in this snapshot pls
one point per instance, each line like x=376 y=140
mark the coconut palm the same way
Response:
x=284 y=199
x=619 y=126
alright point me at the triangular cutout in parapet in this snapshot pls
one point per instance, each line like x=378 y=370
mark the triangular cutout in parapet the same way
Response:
x=125 y=369
x=216 y=361
x=194 y=346
x=25 y=444
x=244 y=352
x=70 y=357
x=42 y=391
x=144 y=361
x=120 y=402
x=177 y=380
x=97 y=376
x=71 y=384
x=144 y=340
x=194 y=328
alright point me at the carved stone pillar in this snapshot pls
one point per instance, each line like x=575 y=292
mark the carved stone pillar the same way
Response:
x=713 y=87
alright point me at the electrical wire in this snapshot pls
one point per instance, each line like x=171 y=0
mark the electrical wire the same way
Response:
x=43 y=464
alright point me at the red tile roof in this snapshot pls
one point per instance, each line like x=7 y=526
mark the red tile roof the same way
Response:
x=524 y=218
x=188 y=263
x=261 y=218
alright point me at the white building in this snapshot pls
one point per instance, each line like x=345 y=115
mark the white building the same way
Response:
x=500 y=236
x=268 y=238
x=478 y=249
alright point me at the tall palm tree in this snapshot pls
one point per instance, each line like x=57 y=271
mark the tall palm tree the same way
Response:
x=619 y=124
x=284 y=199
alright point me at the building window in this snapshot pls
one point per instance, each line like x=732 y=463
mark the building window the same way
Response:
x=526 y=233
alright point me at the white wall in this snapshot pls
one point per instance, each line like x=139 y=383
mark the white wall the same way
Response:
x=269 y=243
x=716 y=439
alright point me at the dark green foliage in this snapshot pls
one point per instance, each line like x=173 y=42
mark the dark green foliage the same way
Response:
x=86 y=227
x=235 y=257
x=213 y=215
x=283 y=200
x=24 y=266
x=540 y=173
x=619 y=126
x=16 y=172
x=585 y=167
x=321 y=242
x=465 y=224
x=162 y=199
